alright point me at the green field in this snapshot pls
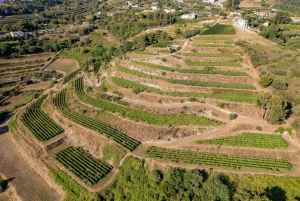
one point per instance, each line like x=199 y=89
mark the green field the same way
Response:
x=223 y=94
x=79 y=162
x=220 y=29
x=216 y=159
x=266 y=141
x=187 y=82
x=138 y=115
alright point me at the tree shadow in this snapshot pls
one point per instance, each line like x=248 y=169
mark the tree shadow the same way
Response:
x=3 y=129
x=4 y=184
x=276 y=194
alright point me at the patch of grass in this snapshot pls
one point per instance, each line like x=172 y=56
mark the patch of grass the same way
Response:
x=113 y=152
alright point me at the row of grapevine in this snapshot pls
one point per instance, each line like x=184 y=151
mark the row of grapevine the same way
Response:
x=217 y=159
x=96 y=66
x=220 y=29
x=70 y=76
x=40 y=125
x=187 y=82
x=82 y=165
x=137 y=115
x=223 y=94
x=268 y=141
x=198 y=54
x=60 y=101
x=220 y=63
x=207 y=70
x=213 y=38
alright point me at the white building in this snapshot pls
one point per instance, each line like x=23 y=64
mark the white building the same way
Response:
x=154 y=8
x=170 y=10
x=17 y=34
x=209 y=1
x=189 y=16
x=243 y=23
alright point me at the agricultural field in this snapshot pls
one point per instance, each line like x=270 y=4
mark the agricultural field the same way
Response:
x=122 y=115
x=217 y=160
x=82 y=165
x=266 y=141
x=34 y=117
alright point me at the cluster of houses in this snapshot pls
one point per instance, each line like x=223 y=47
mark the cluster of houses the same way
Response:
x=18 y=34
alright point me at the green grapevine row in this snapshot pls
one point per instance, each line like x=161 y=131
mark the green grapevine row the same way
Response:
x=217 y=159
x=204 y=71
x=70 y=76
x=40 y=125
x=267 y=141
x=223 y=94
x=60 y=101
x=220 y=29
x=199 y=63
x=96 y=66
x=137 y=115
x=197 y=54
x=82 y=165
x=187 y=82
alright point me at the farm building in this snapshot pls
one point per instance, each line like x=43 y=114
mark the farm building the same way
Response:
x=189 y=16
x=267 y=23
x=243 y=23
x=174 y=48
x=209 y=1
x=17 y=34
x=169 y=10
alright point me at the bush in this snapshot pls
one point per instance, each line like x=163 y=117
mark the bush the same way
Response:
x=192 y=99
x=279 y=84
x=232 y=116
x=258 y=128
x=264 y=81
x=164 y=60
x=295 y=125
x=280 y=130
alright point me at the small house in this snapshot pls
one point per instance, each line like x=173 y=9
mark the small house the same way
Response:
x=189 y=16
x=243 y=23
x=173 y=48
x=266 y=24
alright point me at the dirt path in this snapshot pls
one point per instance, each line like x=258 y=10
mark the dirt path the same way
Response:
x=27 y=183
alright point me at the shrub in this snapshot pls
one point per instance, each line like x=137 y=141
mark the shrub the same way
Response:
x=295 y=125
x=280 y=72
x=164 y=60
x=279 y=130
x=265 y=81
x=192 y=99
x=232 y=116
x=279 y=84
x=258 y=128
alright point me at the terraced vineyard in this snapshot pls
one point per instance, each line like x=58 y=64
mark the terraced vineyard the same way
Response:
x=82 y=165
x=217 y=160
x=267 y=141
x=208 y=70
x=70 y=76
x=220 y=29
x=223 y=94
x=23 y=67
x=40 y=125
x=60 y=101
x=188 y=82
x=137 y=115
